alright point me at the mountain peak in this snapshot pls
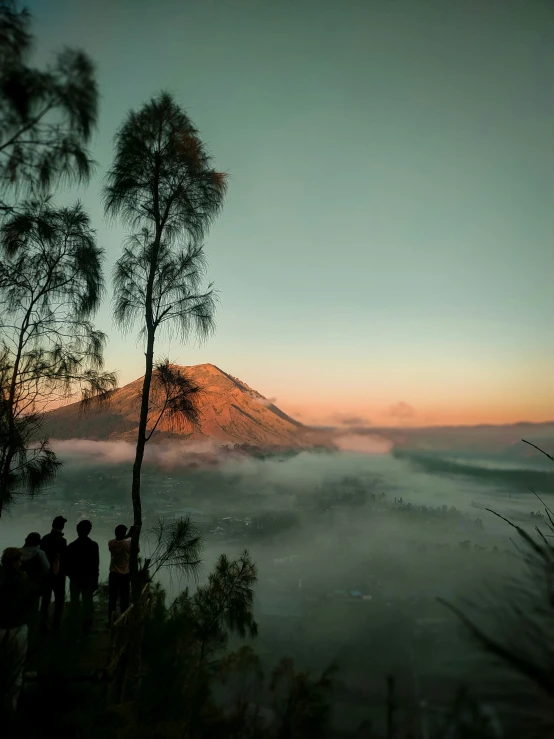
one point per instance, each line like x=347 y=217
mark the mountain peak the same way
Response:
x=205 y=367
x=230 y=412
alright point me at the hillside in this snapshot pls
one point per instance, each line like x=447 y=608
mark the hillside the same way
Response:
x=230 y=413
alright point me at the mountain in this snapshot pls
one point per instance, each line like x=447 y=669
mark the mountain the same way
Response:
x=230 y=413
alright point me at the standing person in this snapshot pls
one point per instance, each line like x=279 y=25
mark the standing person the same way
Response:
x=54 y=546
x=14 y=612
x=37 y=568
x=83 y=570
x=120 y=579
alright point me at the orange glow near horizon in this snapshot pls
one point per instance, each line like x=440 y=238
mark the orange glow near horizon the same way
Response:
x=461 y=416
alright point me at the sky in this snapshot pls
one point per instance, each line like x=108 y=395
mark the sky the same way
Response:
x=386 y=247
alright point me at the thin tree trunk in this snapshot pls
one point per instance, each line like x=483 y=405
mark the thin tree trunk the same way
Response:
x=136 y=582
x=134 y=665
x=7 y=457
x=133 y=671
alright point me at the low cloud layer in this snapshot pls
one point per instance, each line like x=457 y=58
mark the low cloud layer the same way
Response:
x=171 y=454
x=363 y=444
x=174 y=454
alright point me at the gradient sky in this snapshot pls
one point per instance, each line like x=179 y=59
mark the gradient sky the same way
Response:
x=386 y=253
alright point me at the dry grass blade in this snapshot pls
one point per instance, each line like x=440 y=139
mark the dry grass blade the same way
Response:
x=546 y=454
x=541 y=677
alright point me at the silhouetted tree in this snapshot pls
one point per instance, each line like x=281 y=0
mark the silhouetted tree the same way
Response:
x=241 y=673
x=50 y=287
x=187 y=639
x=164 y=188
x=46 y=116
x=224 y=605
x=301 y=703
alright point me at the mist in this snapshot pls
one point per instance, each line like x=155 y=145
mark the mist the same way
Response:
x=169 y=455
x=396 y=528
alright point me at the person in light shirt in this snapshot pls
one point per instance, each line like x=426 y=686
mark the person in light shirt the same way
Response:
x=119 y=584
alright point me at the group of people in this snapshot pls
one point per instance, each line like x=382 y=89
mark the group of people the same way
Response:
x=31 y=575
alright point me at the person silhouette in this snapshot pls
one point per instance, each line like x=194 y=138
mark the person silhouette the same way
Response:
x=54 y=546
x=36 y=566
x=83 y=569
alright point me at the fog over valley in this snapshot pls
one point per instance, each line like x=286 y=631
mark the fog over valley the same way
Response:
x=352 y=547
